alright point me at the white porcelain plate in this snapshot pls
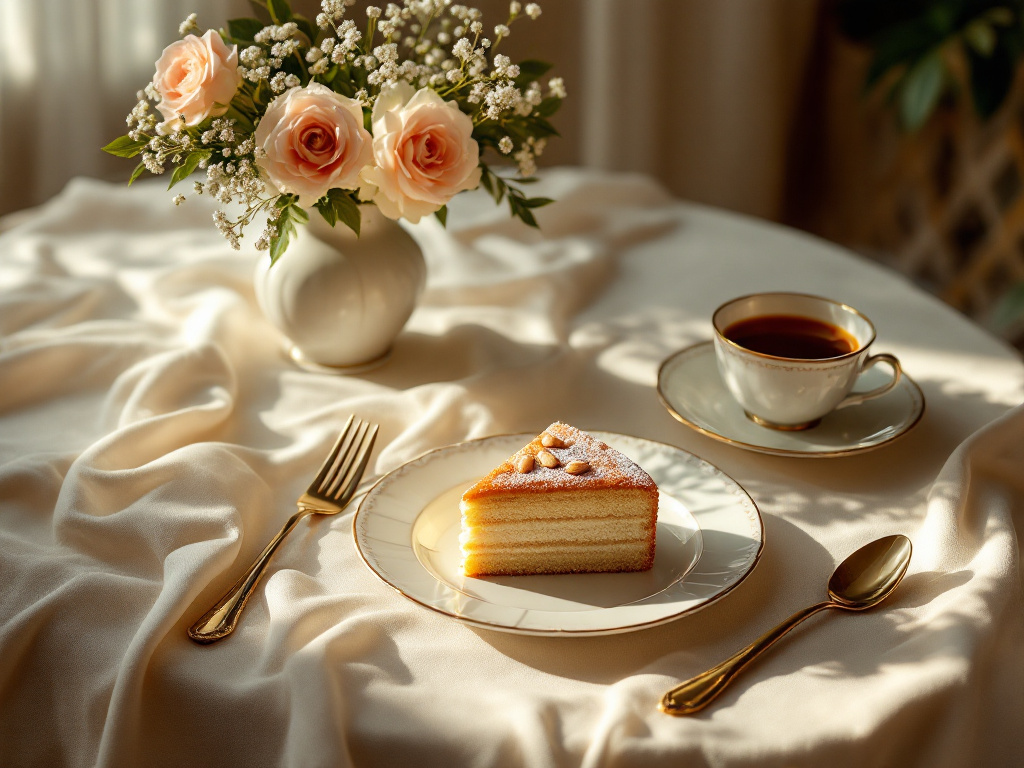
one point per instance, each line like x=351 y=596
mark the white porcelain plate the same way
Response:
x=692 y=390
x=709 y=537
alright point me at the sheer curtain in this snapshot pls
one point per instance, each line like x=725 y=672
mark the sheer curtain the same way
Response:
x=69 y=70
x=702 y=95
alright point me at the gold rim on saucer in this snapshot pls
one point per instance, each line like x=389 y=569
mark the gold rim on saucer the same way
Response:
x=907 y=384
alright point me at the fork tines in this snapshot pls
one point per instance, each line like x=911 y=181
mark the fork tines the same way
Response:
x=347 y=459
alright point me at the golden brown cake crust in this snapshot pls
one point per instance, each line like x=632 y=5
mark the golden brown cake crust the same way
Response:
x=607 y=468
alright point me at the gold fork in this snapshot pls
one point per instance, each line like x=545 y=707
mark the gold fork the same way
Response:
x=329 y=493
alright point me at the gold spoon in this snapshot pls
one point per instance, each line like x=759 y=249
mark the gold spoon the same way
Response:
x=861 y=581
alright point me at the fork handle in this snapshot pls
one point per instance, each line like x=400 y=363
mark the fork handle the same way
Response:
x=220 y=621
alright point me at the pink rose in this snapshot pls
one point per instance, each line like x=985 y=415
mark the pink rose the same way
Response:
x=314 y=141
x=197 y=77
x=424 y=152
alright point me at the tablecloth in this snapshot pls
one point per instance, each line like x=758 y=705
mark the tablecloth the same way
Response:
x=154 y=436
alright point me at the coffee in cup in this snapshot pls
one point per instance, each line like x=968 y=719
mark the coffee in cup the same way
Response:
x=790 y=358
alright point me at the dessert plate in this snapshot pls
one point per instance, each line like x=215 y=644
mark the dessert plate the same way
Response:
x=709 y=537
x=692 y=390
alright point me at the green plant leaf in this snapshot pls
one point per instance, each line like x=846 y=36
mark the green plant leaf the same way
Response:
x=548 y=106
x=522 y=212
x=243 y=121
x=339 y=205
x=537 y=202
x=541 y=128
x=280 y=11
x=305 y=27
x=920 y=91
x=125 y=146
x=530 y=70
x=243 y=31
x=279 y=241
x=901 y=45
x=190 y=163
x=981 y=37
x=136 y=173
x=442 y=215
x=326 y=208
x=348 y=212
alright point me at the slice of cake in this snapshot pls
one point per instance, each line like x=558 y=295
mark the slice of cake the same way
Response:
x=564 y=503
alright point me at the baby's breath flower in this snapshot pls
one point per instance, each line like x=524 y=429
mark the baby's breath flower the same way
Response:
x=179 y=199
x=373 y=12
x=188 y=25
x=505 y=145
x=463 y=49
x=557 y=87
x=532 y=10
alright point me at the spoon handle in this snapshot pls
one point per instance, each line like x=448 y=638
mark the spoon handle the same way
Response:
x=697 y=692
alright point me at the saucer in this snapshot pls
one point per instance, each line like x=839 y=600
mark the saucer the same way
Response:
x=692 y=390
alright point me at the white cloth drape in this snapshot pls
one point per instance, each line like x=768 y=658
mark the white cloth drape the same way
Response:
x=154 y=436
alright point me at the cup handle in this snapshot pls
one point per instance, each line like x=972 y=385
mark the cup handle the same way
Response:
x=860 y=397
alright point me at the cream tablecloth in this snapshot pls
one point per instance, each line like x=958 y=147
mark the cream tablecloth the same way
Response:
x=153 y=437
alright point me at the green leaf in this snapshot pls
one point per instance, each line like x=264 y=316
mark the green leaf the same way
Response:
x=537 y=202
x=548 y=106
x=442 y=215
x=338 y=205
x=305 y=26
x=243 y=31
x=530 y=70
x=191 y=162
x=485 y=179
x=522 y=212
x=541 y=128
x=921 y=89
x=125 y=146
x=981 y=37
x=901 y=45
x=326 y=208
x=279 y=241
x=280 y=12
x=136 y=173
x=244 y=122
x=348 y=212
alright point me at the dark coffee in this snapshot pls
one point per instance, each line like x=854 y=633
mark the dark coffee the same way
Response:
x=792 y=336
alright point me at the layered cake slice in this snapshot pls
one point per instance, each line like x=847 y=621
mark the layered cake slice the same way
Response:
x=564 y=503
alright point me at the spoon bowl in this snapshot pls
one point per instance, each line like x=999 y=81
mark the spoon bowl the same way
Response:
x=870 y=574
x=861 y=581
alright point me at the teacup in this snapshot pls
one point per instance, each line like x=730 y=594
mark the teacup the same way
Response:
x=791 y=358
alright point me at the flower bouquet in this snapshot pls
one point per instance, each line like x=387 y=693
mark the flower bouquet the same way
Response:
x=398 y=111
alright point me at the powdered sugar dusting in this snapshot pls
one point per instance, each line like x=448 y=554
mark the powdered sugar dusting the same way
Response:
x=608 y=468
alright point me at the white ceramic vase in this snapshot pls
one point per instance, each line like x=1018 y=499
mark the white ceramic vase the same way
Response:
x=341 y=299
